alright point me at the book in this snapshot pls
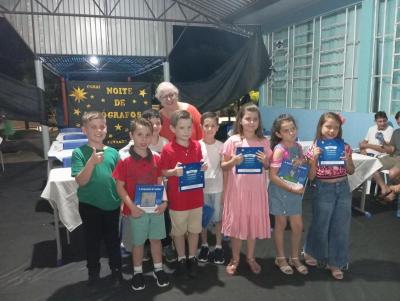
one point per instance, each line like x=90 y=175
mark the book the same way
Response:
x=192 y=178
x=332 y=151
x=148 y=197
x=292 y=174
x=250 y=163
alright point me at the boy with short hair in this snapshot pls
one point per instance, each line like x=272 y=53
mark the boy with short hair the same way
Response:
x=185 y=207
x=211 y=149
x=141 y=168
x=99 y=204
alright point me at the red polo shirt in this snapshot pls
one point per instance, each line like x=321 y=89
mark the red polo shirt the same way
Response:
x=171 y=154
x=136 y=169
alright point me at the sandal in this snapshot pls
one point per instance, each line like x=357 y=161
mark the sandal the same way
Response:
x=310 y=261
x=254 y=266
x=231 y=268
x=296 y=263
x=336 y=272
x=282 y=264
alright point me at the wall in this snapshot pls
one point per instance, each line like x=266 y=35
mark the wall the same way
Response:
x=354 y=129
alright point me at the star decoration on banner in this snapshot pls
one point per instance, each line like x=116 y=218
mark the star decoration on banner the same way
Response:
x=110 y=136
x=126 y=130
x=103 y=100
x=88 y=105
x=77 y=112
x=142 y=92
x=118 y=127
x=145 y=102
x=92 y=96
x=79 y=94
x=133 y=100
x=78 y=125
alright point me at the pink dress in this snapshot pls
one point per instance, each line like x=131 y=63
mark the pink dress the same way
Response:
x=245 y=213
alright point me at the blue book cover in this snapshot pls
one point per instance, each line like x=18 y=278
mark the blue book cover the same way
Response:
x=192 y=178
x=293 y=175
x=250 y=163
x=148 y=197
x=332 y=151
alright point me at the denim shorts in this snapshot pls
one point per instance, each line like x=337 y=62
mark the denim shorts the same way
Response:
x=282 y=202
x=328 y=236
x=214 y=201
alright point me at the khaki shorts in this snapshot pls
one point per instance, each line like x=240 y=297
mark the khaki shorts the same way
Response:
x=186 y=221
x=388 y=162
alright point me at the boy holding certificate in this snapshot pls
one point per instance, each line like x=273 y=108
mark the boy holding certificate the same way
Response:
x=185 y=193
x=138 y=183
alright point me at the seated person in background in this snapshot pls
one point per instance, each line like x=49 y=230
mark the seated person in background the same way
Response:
x=381 y=131
x=157 y=141
x=391 y=162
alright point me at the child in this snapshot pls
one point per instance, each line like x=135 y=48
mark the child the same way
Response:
x=141 y=168
x=285 y=200
x=245 y=213
x=99 y=205
x=211 y=150
x=157 y=142
x=328 y=236
x=185 y=207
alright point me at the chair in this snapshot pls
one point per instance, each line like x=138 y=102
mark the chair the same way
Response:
x=74 y=136
x=74 y=144
x=67 y=162
x=70 y=130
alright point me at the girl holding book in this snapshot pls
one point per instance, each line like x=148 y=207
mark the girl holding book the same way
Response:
x=245 y=210
x=285 y=194
x=327 y=240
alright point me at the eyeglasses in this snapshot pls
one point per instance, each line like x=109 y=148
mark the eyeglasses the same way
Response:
x=170 y=95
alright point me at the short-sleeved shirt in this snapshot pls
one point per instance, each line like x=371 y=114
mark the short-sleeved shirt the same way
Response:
x=329 y=171
x=171 y=154
x=371 y=137
x=395 y=141
x=213 y=175
x=136 y=169
x=290 y=153
x=100 y=191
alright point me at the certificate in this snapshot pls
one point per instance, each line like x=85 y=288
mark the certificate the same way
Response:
x=192 y=178
x=148 y=197
x=250 y=163
x=292 y=174
x=332 y=151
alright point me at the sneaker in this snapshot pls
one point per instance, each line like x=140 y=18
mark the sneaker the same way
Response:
x=161 y=277
x=181 y=267
x=219 y=257
x=137 y=283
x=116 y=278
x=203 y=254
x=170 y=254
x=193 y=265
x=93 y=280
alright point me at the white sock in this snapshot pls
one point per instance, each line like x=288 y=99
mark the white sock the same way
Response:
x=191 y=256
x=218 y=247
x=181 y=258
x=204 y=245
x=158 y=267
x=137 y=270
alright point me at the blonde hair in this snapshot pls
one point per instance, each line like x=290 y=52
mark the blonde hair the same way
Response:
x=165 y=86
x=178 y=115
x=89 y=116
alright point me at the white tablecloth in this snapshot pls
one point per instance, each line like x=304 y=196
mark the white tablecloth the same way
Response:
x=60 y=191
x=365 y=166
x=56 y=151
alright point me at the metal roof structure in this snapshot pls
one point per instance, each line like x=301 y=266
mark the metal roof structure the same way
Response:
x=137 y=32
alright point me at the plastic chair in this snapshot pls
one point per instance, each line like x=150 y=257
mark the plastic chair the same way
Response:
x=74 y=136
x=73 y=144
x=70 y=130
x=67 y=162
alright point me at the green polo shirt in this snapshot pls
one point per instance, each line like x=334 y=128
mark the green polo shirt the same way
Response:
x=100 y=191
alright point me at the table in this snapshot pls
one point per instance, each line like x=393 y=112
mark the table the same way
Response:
x=365 y=167
x=61 y=191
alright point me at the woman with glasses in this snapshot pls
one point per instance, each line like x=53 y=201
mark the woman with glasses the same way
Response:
x=168 y=95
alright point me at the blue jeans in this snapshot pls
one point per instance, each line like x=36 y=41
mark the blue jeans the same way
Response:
x=328 y=235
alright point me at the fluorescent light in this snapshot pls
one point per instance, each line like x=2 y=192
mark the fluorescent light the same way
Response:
x=94 y=60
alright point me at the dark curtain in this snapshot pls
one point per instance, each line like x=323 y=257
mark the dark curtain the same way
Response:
x=20 y=101
x=245 y=71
